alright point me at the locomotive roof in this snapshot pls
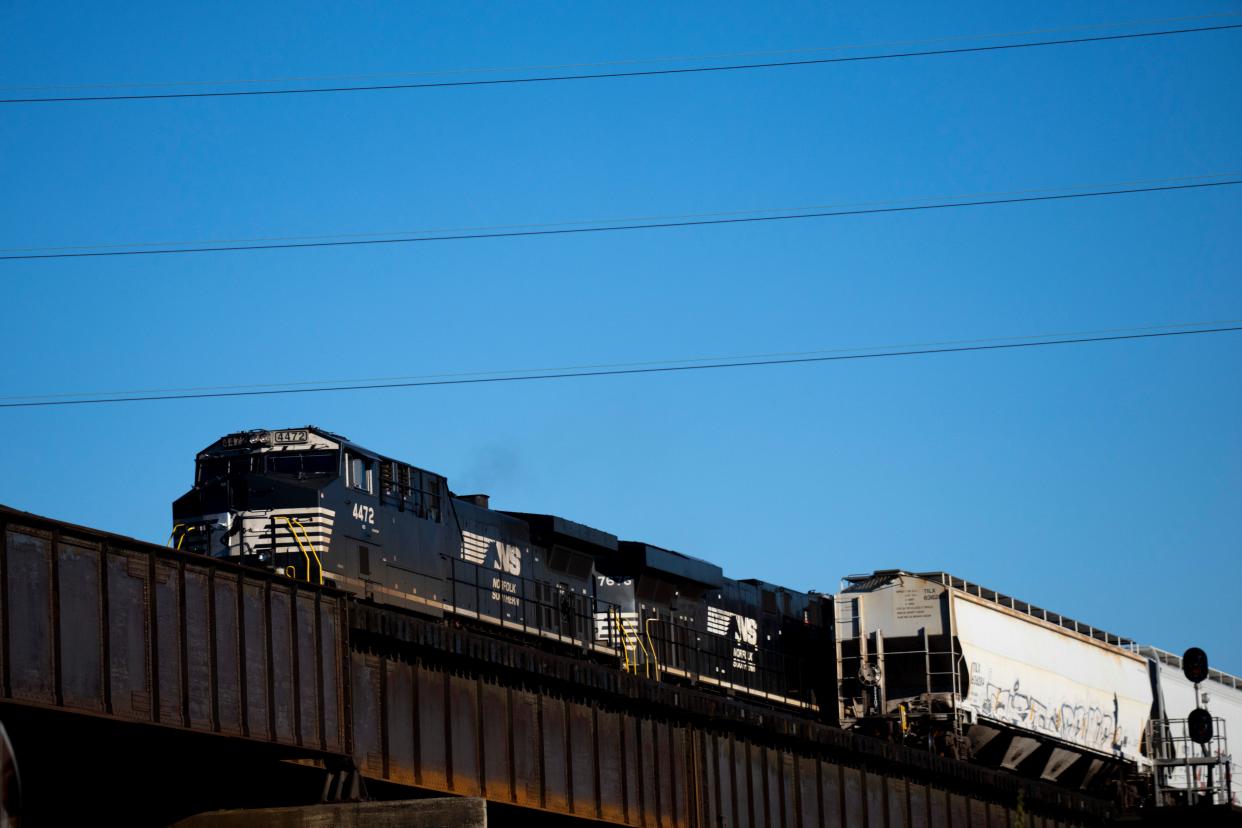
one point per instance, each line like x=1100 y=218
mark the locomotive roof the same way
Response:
x=881 y=577
x=556 y=529
x=685 y=567
x=563 y=529
x=263 y=438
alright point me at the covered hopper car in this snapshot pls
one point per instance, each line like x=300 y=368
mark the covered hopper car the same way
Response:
x=932 y=658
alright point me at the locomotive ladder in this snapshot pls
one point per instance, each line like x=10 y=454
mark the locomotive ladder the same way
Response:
x=632 y=644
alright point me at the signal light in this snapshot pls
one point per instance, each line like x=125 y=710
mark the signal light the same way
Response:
x=1195 y=665
x=1199 y=725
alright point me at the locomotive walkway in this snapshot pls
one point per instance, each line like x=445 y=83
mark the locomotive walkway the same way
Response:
x=162 y=684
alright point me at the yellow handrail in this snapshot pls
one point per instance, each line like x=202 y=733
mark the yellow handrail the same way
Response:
x=655 y=662
x=633 y=643
x=307 y=555
x=180 y=538
x=300 y=546
x=625 y=650
x=646 y=657
x=314 y=554
x=640 y=646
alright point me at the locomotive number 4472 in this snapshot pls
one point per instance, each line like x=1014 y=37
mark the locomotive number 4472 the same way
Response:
x=366 y=514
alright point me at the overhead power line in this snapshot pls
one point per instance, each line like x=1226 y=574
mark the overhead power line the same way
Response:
x=644 y=364
x=549 y=67
x=375 y=234
x=613 y=372
x=737 y=67
x=618 y=227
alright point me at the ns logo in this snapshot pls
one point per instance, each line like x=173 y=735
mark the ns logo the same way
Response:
x=747 y=630
x=508 y=559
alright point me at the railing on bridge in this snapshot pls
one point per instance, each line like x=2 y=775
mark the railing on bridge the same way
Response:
x=648 y=642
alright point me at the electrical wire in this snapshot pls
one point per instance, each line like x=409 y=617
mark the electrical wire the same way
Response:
x=603 y=229
x=612 y=372
x=595 y=366
x=626 y=219
x=548 y=67
x=613 y=75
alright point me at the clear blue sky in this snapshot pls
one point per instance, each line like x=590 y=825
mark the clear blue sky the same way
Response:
x=1103 y=481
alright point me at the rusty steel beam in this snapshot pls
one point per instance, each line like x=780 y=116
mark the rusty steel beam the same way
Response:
x=582 y=738
x=430 y=725
x=109 y=626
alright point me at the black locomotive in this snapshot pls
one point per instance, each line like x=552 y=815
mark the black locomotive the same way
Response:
x=317 y=507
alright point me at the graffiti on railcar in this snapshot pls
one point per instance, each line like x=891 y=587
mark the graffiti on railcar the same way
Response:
x=1089 y=725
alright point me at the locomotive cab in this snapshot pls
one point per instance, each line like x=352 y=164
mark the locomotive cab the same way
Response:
x=316 y=507
x=257 y=498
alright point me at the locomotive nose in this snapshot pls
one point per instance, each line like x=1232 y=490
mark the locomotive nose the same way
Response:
x=218 y=532
x=203 y=535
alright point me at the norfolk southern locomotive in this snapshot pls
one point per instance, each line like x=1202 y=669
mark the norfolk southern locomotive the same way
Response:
x=923 y=658
x=317 y=507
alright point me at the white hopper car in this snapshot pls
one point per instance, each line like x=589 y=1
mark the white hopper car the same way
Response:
x=932 y=659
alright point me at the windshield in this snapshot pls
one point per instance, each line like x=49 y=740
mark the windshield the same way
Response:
x=302 y=463
x=215 y=468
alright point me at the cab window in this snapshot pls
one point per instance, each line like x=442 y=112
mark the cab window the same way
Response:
x=302 y=463
x=217 y=468
x=361 y=470
x=212 y=468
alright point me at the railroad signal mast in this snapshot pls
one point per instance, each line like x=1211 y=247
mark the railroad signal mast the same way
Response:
x=1190 y=758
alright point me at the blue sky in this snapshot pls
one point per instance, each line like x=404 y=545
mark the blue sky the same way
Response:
x=1101 y=481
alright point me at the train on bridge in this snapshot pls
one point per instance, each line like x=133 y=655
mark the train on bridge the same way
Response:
x=926 y=659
